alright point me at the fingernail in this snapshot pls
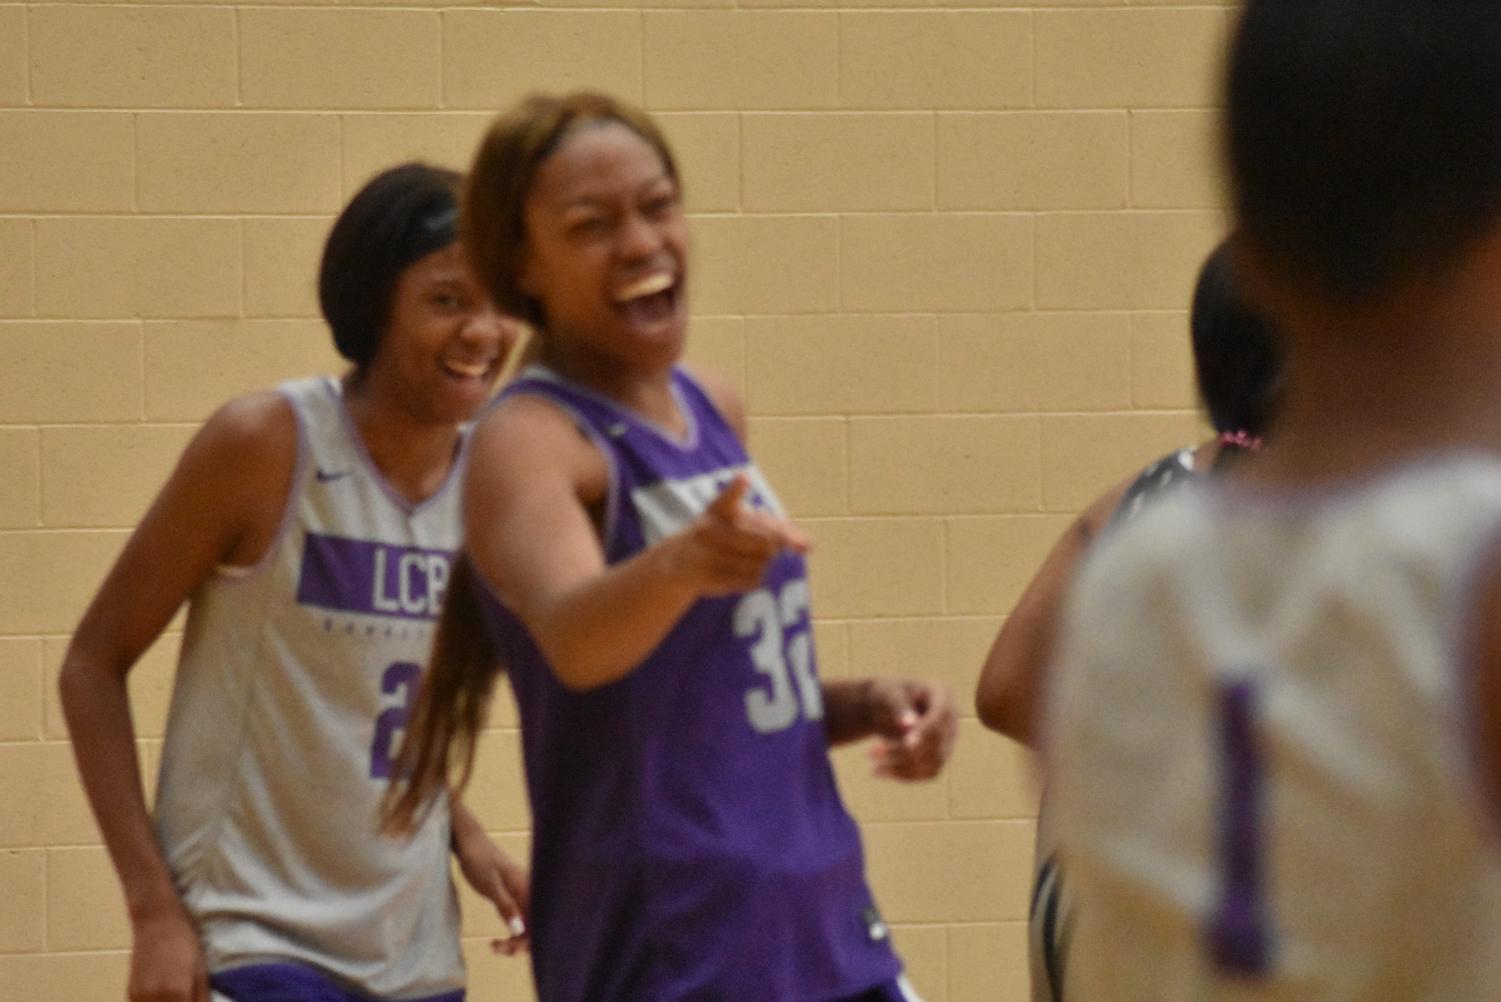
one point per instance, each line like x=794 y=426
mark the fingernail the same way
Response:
x=518 y=927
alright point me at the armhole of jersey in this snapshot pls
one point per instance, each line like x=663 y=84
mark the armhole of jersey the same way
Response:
x=685 y=382
x=1466 y=616
x=233 y=574
x=613 y=500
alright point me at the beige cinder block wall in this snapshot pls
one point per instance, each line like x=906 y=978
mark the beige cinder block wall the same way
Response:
x=944 y=247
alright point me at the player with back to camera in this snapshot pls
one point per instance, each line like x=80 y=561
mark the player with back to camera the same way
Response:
x=1274 y=735
x=1238 y=375
x=636 y=578
x=310 y=529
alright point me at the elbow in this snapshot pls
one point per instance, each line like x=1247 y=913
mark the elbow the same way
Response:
x=579 y=659
x=74 y=680
x=580 y=666
x=993 y=713
x=579 y=674
x=84 y=670
x=1003 y=710
x=989 y=710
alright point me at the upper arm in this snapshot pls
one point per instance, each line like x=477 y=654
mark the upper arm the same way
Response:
x=1011 y=679
x=532 y=481
x=222 y=503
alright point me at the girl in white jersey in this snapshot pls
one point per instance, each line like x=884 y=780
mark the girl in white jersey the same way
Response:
x=1275 y=728
x=310 y=530
x=1238 y=375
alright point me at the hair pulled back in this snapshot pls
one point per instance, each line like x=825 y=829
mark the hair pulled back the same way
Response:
x=516 y=144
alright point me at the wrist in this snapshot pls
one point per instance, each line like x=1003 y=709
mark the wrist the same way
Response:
x=866 y=703
x=152 y=905
x=678 y=572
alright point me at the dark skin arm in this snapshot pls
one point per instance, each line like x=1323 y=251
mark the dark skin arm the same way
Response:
x=1015 y=673
x=221 y=505
x=494 y=875
x=533 y=485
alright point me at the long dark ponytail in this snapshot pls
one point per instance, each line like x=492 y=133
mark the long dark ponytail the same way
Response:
x=451 y=708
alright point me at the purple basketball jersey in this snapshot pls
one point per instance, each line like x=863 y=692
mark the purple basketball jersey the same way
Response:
x=689 y=840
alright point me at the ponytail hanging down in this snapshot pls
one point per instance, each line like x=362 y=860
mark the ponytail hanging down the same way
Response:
x=451 y=708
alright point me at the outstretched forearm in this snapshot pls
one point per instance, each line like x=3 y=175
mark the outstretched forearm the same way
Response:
x=598 y=630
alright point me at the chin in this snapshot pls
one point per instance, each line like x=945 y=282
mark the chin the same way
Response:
x=459 y=404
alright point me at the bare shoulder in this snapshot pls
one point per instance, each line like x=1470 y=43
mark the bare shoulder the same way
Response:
x=249 y=440
x=527 y=437
x=528 y=424
x=724 y=396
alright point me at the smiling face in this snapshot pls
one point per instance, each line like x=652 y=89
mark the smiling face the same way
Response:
x=444 y=344
x=606 y=251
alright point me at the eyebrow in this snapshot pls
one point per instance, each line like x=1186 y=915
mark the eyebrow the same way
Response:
x=590 y=200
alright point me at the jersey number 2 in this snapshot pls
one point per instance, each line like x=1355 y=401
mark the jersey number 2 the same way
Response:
x=1238 y=932
x=783 y=652
x=401 y=677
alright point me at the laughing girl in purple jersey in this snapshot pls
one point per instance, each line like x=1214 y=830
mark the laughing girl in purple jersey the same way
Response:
x=310 y=530
x=636 y=577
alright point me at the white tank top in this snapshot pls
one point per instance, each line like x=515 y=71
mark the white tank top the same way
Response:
x=291 y=695
x=1257 y=737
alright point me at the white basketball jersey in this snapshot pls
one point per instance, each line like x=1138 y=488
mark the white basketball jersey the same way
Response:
x=1260 y=770
x=293 y=690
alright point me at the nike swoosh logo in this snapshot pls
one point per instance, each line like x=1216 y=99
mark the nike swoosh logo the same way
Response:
x=324 y=476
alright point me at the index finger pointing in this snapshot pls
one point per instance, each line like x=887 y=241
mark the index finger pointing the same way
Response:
x=727 y=504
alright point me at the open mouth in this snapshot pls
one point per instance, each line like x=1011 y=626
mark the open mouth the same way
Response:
x=468 y=370
x=650 y=300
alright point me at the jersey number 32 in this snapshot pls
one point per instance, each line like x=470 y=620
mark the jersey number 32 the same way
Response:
x=781 y=649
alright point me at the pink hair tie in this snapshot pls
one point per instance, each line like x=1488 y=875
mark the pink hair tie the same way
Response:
x=1241 y=439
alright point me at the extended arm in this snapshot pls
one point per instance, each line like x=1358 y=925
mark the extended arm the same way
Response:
x=533 y=483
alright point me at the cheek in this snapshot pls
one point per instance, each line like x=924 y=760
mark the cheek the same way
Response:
x=573 y=282
x=422 y=344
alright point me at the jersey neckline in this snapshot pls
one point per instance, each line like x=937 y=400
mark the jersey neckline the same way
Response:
x=335 y=389
x=686 y=443
x=1295 y=498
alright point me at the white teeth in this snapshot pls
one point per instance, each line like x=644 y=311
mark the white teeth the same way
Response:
x=472 y=369
x=649 y=286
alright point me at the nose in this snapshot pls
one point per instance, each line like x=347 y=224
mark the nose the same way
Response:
x=637 y=237
x=487 y=325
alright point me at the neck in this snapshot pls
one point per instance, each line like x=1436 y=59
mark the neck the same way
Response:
x=1372 y=386
x=647 y=390
x=413 y=455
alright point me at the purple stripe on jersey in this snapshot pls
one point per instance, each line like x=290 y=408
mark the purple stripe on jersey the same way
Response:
x=1239 y=938
x=296 y=983
x=372 y=579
